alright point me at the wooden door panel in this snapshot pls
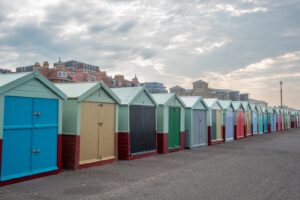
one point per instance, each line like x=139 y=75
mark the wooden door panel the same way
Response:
x=107 y=131
x=89 y=132
x=218 y=125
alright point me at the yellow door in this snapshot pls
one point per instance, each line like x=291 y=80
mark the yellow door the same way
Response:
x=248 y=122
x=107 y=132
x=89 y=144
x=218 y=122
x=97 y=136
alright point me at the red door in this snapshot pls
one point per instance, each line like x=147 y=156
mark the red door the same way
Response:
x=240 y=125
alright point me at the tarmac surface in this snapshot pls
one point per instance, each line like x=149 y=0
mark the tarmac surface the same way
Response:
x=259 y=167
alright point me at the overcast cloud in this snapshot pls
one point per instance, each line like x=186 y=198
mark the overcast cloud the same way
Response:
x=248 y=45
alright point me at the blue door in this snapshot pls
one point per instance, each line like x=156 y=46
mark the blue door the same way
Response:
x=44 y=135
x=30 y=139
x=271 y=122
x=266 y=122
x=229 y=126
x=254 y=123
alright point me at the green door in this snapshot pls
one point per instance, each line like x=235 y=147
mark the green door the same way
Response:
x=174 y=127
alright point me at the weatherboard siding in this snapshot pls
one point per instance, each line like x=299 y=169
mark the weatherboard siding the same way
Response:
x=100 y=96
x=34 y=89
x=70 y=117
x=143 y=100
x=188 y=127
x=160 y=119
x=123 y=118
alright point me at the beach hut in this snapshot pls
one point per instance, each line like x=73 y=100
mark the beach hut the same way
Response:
x=89 y=125
x=286 y=120
x=170 y=122
x=265 y=118
x=247 y=119
x=30 y=121
x=238 y=116
x=274 y=127
x=195 y=121
x=278 y=119
x=260 y=119
x=293 y=119
x=214 y=122
x=298 y=118
x=254 y=118
x=270 y=119
x=228 y=119
x=289 y=118
x=136 y=123
x=282 y=119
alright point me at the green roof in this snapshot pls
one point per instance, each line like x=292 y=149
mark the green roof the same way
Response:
x=259 y=109
x=8 y=78
x=163 y=98
x=212 y=102
x=263 y=108
x=225 y=104
x=190 y=101
x=237 y=105
x=253 y=107
x=245 y=105
x=293 y=112
x=270 y=110
x=81 y=91
x=128 y=94
x=12 y=80
x=277 y=110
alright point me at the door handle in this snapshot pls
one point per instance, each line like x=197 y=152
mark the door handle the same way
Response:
x=36 y=114
x=100 y=123
x=35 y=151
x=101 y=105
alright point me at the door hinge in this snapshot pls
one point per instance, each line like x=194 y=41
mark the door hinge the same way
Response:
x=101 y=105
x=36 y=114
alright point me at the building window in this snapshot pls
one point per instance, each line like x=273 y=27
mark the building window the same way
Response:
x=93 y=78
x=61 y=74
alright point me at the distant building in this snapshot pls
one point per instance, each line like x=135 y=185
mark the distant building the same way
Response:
x=178 y=90
x=29 y=68
x=234 y=95
x=200 y=88
x=5 y=71
x=74 y=71
x=73 y=64
x=244 y=97
x=259 y=102
x=155 y=87
x=222 y=94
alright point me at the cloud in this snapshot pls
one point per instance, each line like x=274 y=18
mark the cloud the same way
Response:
x=238 y=12
x=170 y=41
x=263 y=77
x=209 y=47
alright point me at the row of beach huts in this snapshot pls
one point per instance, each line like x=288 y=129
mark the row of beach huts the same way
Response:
x=47 y=127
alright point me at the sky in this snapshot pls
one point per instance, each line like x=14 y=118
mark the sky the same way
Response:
x=248 y=45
